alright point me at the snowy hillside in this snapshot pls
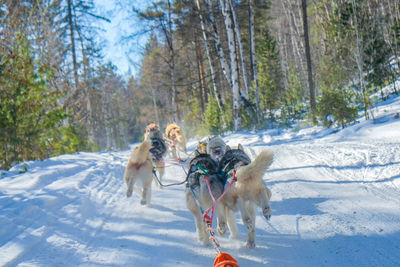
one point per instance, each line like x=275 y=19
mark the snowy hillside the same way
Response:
x=335 y=202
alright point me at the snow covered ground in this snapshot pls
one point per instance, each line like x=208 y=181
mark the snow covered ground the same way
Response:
x=335 y=202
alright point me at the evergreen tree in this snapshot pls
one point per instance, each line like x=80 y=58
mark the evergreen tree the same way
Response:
x=30 y=118
x=269 y=76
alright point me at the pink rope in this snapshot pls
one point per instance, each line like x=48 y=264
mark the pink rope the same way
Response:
x=212 y=208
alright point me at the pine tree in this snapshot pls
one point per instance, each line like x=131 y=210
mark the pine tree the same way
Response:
x=30 y=119
x=269 y=76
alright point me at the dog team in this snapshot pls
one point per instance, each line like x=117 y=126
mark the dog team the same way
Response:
x=215 y=168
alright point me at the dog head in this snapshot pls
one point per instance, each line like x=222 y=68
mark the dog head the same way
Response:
x=152 y=127
x=216 y=147
x=151 y=130
x=172 y=130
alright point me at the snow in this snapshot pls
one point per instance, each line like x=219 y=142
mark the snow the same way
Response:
x=335 y=202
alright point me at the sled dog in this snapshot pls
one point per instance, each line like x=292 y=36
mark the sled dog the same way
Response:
x=198 y=196
x=158 y=148
x=175 y=134
x=152 y=127
x=249 y=190
x=139 y=172
x=213 y=145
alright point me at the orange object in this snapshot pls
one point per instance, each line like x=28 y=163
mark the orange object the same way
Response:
x=225 y=260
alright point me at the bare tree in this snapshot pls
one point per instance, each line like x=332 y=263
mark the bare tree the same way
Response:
x=208 y=51
x=217 y=42
x=72 y=39
x=253 y=57
x=240 y=46
x=228 y=20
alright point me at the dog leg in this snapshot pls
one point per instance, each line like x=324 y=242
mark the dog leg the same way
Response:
x=202 y=235
x=130 y=183
x=221 y=219
x=246 y=216
x=160 y=169
x=251 y=234
x=146 y=194
x=231 y=220
x=265 y=195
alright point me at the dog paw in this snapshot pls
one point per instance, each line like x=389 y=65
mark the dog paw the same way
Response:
x=250 y=244
x=267 y=213
x=128 y=193
x=143 y=202
x=221 y=229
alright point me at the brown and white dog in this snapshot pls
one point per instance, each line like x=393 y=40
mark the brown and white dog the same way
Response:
x=245 y=194
x=139 y=172
x=249 y=190
x=175 y=134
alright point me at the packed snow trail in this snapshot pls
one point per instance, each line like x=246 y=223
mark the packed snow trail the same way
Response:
x=335 y=202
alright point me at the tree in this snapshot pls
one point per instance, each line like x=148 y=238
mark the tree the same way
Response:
x=208 y=51
x=228 y=20
x=30 y=118
x=159 y=14
x=253 y=58
x=270 y=76
x=308 y=59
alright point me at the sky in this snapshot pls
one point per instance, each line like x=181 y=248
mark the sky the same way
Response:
x=335 y=202
x=126 y=56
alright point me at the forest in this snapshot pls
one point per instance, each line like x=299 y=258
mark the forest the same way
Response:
x=210 y=66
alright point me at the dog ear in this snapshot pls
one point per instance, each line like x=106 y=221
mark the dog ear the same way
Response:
x=240 y=147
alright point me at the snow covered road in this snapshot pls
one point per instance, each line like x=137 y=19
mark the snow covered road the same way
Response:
x=335 y=202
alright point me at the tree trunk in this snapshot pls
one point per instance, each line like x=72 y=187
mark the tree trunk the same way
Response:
x=199 y=58
x=253 y=58
x=293 y=32
x=73 y=50
x=308 y=58
x=239 y=42
x=207 y=45
x=218 y=46
x=234 y=64
x=153 y=95
x=358 y=54
x=172 y=66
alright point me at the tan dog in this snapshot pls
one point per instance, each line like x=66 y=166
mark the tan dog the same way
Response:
x=245 y=194
x=198 y=196
x=175 y=134
x=139 y=172
x=250 y=190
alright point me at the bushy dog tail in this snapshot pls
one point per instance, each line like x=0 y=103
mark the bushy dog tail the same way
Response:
x=257 y=167
x=140 y=153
